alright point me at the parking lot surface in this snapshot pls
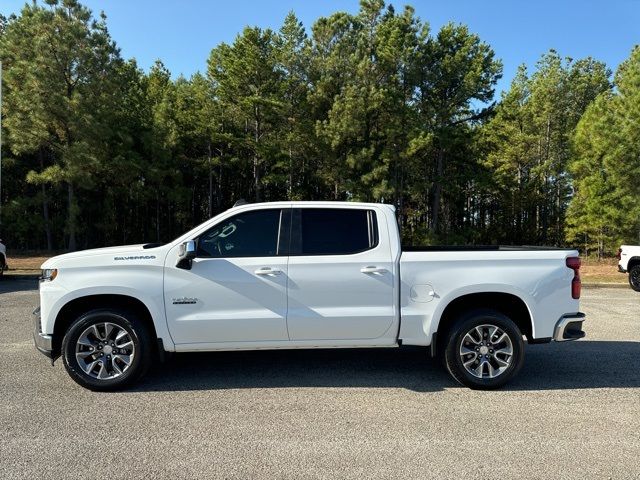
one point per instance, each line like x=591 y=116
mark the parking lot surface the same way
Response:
x=573 y=412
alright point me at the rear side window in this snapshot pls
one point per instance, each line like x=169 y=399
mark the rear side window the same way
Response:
x=249 y=234
x=333 y=231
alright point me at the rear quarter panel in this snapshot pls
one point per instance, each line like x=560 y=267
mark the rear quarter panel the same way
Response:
x=540 y=278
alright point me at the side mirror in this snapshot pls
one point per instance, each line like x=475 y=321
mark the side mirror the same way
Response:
x=186 y=253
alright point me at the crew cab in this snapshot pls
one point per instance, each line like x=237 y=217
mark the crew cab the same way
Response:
x=291 y=275
x=629 y=262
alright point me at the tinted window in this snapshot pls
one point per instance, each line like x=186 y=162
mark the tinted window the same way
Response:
x=332 y=231
x=249 y=234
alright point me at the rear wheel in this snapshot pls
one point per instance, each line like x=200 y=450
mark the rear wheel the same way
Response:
x=484 y=349
x=106 y=349
x=634 y=277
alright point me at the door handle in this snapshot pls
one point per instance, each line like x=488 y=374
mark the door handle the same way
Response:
x=372 y=269
x=268 y=271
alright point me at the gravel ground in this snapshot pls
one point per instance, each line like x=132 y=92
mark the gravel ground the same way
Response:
x=573 y=412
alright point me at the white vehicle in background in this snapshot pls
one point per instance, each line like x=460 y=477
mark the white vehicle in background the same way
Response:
x=304 y=275
x=3 y=257
x=629 y=262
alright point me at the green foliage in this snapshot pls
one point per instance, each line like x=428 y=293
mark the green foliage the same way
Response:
x=368 y=106
x=605 y=209
x=528 y=145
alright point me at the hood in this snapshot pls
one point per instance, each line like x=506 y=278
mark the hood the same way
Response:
x=58 y=260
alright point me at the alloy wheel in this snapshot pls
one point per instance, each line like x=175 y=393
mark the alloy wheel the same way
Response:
x=486 y=351
x=105 y=350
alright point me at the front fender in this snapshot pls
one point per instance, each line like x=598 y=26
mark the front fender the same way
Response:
x=153 y=303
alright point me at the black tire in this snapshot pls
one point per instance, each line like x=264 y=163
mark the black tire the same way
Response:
x=634 y=277
x=466 y=323
x=3 y=265
x=137 y=331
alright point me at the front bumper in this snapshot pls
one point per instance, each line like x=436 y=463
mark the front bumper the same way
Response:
x=44 y=343
x=620 y=269
x=569 y=327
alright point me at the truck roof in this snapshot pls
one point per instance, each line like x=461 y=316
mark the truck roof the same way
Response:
x=322 y=203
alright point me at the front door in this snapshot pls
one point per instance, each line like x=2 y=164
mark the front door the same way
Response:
x=341 y=277
x=236 y=289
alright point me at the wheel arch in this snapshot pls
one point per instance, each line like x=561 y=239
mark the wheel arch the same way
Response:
x=633 y=261
x=508 y=304
x=76 y=307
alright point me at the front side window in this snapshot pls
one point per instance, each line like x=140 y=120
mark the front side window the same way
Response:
x=248 y=234
x=333 y=231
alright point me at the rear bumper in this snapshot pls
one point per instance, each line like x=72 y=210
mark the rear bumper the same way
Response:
x=569 y=327
x=43 y=342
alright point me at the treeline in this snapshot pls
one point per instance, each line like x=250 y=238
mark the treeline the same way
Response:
x=372 y=107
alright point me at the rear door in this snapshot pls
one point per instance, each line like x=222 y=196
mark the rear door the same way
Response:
x=341 y=276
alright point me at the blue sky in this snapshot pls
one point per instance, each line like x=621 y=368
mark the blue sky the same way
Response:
x=182 y=33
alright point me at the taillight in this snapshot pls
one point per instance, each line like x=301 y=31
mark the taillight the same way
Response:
x=619 y=254
x=574 y=264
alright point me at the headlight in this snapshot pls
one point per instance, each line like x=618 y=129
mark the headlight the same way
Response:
x=49 y=274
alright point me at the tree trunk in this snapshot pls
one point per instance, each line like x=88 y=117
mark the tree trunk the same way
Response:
x=71 y=219
x=45 y=206
x=437 y=192
x=157 y=217
x=210 y=182
x=289 y=193
x=256 y=159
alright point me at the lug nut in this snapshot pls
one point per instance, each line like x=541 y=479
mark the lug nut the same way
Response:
x=102 y=354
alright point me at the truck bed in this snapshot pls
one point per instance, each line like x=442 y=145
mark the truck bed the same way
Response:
x=477 y=248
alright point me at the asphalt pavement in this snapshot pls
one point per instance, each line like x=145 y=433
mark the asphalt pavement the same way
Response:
x=573 y=411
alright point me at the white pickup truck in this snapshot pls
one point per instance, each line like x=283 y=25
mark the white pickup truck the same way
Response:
x=629 y=262
x=303 y=275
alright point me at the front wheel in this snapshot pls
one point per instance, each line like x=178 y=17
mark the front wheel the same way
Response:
x=634 y=277
x=106 y=349
x=484 y=350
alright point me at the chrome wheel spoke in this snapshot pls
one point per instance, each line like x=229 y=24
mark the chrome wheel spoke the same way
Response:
x=88 y=367
x=126 y=359
x=84 y=340
x=116 y=367
x=128 y=344
x=501 y=362
x=94 y=329
x=468 y=338
x=103 y=373
x=466 y=350
x=506 y=350
x=500 y=339
x=108 y=329
x=470 y=361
